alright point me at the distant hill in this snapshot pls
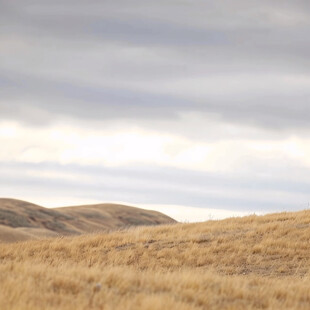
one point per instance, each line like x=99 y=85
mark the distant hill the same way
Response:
x=21 y=220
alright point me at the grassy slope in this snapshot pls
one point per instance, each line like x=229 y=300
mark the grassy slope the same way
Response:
x=242 y=263
x=90 y=218
x=21 y=220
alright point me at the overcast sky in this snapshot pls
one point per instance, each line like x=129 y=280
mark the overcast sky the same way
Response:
x=200 y=109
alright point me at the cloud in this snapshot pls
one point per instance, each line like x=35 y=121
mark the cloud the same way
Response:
x=192 y=214
x=151 y=186
x=115 y=60
x=113 y=147
x=148 y=167
x=202 y=104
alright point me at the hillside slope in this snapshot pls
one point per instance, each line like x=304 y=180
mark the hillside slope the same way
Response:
x=9 y=234
x=255 y=262
x=90 y=218
x=21 y=220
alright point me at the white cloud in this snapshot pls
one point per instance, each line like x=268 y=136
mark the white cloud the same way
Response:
x=192 y=214
x=136 y=146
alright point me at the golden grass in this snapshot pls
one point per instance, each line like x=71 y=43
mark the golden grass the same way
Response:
x=241 y=263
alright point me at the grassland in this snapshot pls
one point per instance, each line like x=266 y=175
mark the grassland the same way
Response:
x=22 y=220
x=255 y=262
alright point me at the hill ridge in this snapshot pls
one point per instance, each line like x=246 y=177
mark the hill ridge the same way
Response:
x=28 y=218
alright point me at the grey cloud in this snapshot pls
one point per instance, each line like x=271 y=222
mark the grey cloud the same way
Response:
x=190 y=40
x=158 y=186
x=83 y=101
x=48 y=99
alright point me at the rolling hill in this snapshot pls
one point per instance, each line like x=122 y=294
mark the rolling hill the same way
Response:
x=21 y=220
x=255 y=262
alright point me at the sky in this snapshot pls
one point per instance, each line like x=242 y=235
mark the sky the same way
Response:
x=199 y=109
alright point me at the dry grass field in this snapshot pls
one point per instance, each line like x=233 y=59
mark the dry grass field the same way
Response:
x=255 y=262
